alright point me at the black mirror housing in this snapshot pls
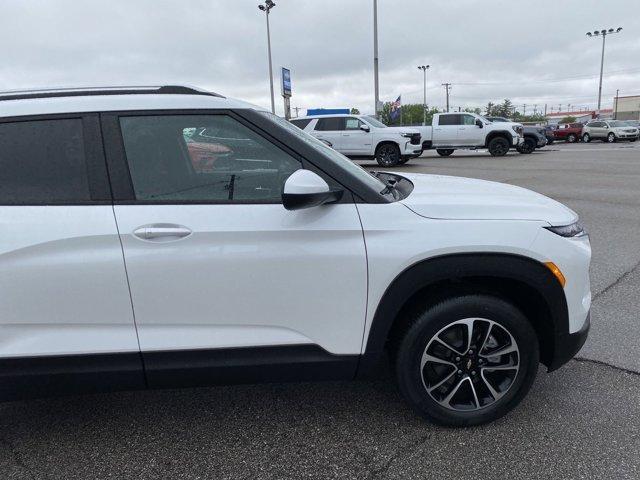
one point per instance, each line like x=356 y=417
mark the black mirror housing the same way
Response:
x=300 y=201
x=479 y=123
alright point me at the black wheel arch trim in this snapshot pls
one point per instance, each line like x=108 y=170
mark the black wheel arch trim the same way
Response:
x=498 y=133
x=461 y=267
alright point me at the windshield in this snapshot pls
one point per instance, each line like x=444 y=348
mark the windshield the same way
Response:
x=328 y=152
x=374 y=122
x=618 y=123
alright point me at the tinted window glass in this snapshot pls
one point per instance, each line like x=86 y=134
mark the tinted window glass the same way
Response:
x=449 y=120
x=43 y=162
x=330 y=123
x=301 y=123
x=203 y=158
x=352 y=124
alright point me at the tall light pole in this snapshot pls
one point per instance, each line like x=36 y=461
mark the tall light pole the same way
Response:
x=424 y=69
x=375 y=57
x=266 y=8
x=602 y=33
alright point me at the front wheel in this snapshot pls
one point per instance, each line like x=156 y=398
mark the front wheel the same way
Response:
x=498 y=147
x=611 y=138
x=468 y=360
x=586 y=138
x=444 y=152
x=572 y=138
x=388 y=155
x=527 y=147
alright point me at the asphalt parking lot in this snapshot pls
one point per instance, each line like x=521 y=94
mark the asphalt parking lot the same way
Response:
x=580 y=422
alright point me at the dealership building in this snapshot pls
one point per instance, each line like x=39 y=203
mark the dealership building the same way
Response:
x=627 y=108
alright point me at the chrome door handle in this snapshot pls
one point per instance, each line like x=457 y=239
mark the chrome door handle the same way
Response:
x=161 y=232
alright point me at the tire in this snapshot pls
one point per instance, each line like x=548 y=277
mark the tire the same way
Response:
x=388 y=155
x=444 y=152
x=586 y=138
x=611 y=138
x=404 y=160
x=572 y=138
x=449 y=320
x=633 y=139
x=498 y=147
x=527 y=147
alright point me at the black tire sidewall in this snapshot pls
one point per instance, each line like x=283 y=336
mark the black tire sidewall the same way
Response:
x=495 y=141
x=586 y=138
x=397 y=151
x=611 y=137
x=444 y=152
x=428 y=323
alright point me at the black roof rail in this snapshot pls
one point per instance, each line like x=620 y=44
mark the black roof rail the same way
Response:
x=84 y=92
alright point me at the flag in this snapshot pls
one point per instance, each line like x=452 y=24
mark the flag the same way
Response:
x=395 y=109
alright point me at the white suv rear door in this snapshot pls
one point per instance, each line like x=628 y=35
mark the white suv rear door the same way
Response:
x=63 y=283
x=331 y=130
x=214 y=260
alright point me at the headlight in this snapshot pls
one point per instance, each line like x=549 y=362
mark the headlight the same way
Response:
x=574 y=230
x=408 y=135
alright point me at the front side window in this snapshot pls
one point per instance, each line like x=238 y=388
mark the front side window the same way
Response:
x=203 y=158
x=43 y=162
x=352 y=123
x=468 y=120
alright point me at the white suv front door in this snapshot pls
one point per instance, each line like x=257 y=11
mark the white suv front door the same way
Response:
x=213 y=258
x=355 y=141
x=469 y=133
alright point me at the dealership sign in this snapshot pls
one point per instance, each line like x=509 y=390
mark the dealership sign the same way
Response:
x=286 y=82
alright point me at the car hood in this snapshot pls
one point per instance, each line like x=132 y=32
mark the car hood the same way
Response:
x=457 y=198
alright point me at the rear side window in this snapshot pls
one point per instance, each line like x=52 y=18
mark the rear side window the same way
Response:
x=330 y=123
x=301 y=123
x=449 y=120
x=43 y=162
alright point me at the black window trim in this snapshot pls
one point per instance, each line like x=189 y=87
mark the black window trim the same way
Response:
x=122 y=187
x=331 y=117
x=456 y=116
x=95 y=164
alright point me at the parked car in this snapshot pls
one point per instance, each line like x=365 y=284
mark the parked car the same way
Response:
x=279 y=262
x=633 y=123
x=534 y=137
x=609 y=131
x=570 y=132
x=361 y=136
x=468 y=131
x=548 y=132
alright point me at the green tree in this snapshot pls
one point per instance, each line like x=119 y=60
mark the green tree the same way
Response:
x=412 y=114
x=355 y=111
x=568 y=119
x=490 y=109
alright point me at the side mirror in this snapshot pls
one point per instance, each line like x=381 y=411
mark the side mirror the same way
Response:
x=305 y=189
x=365 y=128
x=479 y=123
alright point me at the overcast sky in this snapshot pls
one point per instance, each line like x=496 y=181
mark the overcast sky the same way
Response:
x=530 y=52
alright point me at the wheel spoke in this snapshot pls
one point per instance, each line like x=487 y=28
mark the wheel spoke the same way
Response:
x=500 y=367
x=486 y=337
x=430 y=358
x=441 y=382
x=442 y=342
x=503 y=351
x=475 y=395
x=446 y=401
x=495 y=394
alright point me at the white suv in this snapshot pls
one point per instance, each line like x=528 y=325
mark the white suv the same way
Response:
x=162 y=237
x=361 y=136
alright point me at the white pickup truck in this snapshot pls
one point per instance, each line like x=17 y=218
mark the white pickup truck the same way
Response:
x=361 y=136
x=456 y=131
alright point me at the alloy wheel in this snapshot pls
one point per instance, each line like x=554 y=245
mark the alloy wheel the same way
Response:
x=470 y=364
x=611 y=138
x=387 y=156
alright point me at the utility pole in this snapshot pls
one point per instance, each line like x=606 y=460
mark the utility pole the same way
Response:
x=615 y=115
x=375 y=57
x=447 y=87
x=559 y=108
x=602 y=33
x=266 y=8
x=545 y=110
x=524 y=109
x=296 y=109
x=424 y=69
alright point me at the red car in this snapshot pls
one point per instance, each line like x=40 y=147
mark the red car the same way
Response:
x=204 y=155
x=571 y=132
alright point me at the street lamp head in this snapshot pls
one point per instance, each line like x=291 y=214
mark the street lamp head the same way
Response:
x=261 y=7
x=611 y=30
x=589 y=34
x=596 y=33
x=270 y=3
x=619 y=29
x=603 y=31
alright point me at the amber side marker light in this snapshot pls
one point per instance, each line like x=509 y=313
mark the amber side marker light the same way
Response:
x=556 y=273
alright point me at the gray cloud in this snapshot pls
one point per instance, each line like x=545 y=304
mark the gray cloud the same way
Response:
x=489 y=50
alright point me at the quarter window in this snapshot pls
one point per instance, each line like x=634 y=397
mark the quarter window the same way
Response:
x=43 y=162
x=203 y=158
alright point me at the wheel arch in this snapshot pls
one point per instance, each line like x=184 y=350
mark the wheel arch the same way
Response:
x=384 y=142
x=525 y=282
x=498 y=133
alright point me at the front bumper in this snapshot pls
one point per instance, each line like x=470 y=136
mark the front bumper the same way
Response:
x=566 y=346
x=412 y=149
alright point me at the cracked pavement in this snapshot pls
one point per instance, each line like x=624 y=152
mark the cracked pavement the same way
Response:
x=580 y=422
